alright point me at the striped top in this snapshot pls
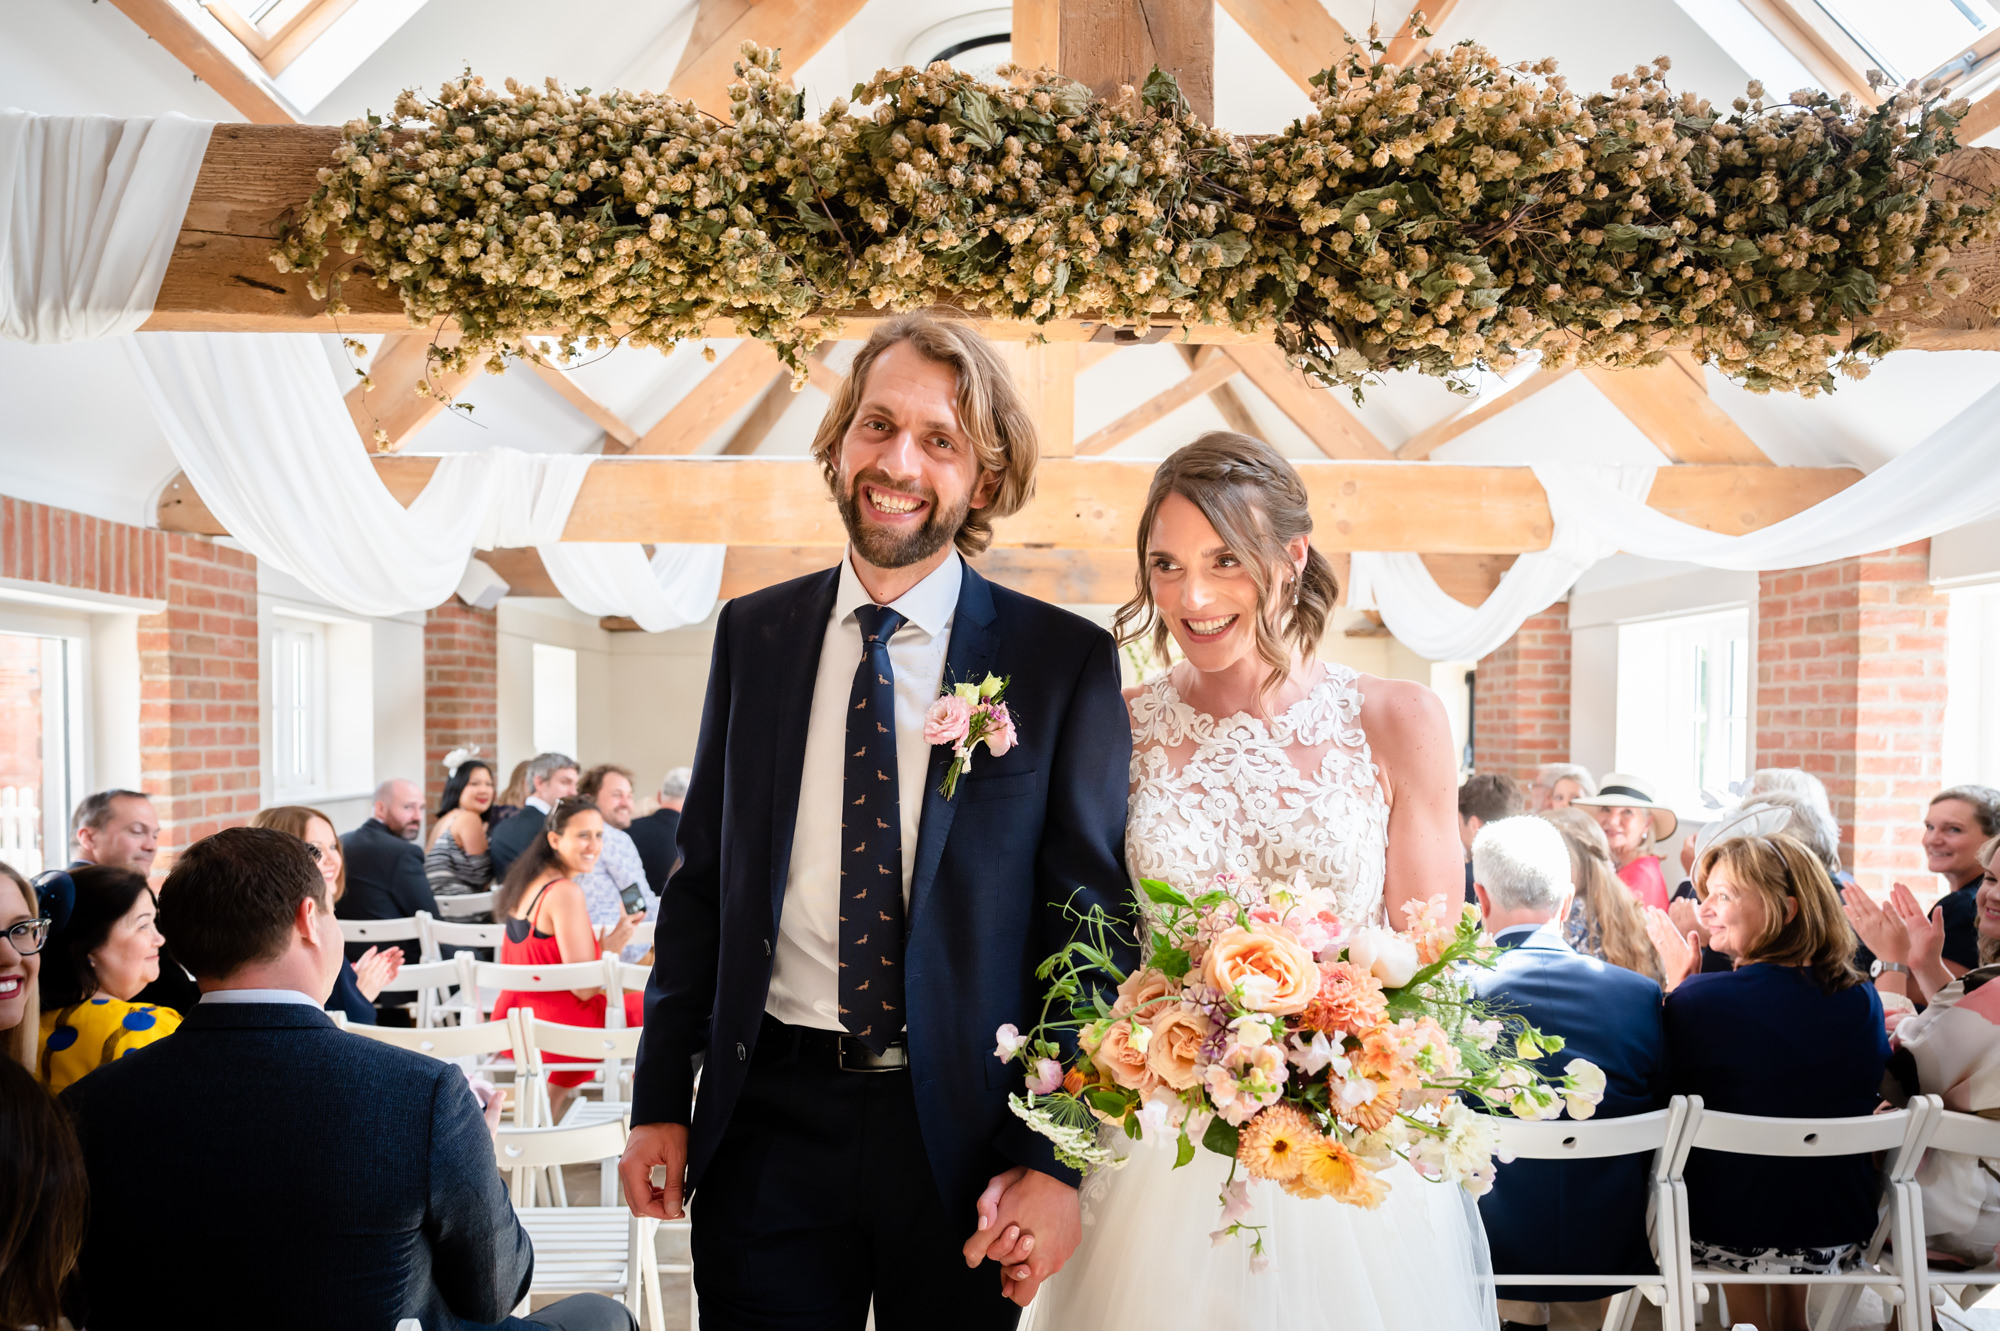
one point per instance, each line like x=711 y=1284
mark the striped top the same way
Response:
x=454 y=873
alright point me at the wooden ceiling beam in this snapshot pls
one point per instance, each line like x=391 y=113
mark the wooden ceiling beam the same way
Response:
x=182 y=37
x=395 y=405
x=770 y=408
x=1334 y=429
x=618 y=436
x=1227 y=401
x=1298 y=34
x=722 y=392
x=1670 y=405
x=1409 y=43
x=1108 y=44
x=1424 y=442
x=1094 y=504
x=796 y=28
x=1211 y=369
x=1036 y=34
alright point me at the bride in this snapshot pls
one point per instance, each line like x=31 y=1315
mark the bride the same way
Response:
x=1252 y=756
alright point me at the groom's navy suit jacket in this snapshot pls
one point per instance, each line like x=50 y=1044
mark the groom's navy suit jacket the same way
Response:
x=1028 y=836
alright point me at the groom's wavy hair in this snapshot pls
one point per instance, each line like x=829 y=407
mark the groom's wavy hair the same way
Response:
x=995 y=420
x=1257 y=504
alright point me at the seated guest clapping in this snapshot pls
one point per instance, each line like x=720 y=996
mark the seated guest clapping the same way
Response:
x=43 y=1198
x=548 y=923
x=1952 y=1049
x=92 y=971
x=1585 y=1216
x=319 y=1180
x=362 y=980
x=1792 y=1031
x=24 y=931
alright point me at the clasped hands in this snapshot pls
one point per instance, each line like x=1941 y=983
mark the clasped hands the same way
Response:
x=1030 y=1223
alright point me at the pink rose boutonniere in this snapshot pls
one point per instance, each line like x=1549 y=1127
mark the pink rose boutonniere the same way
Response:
x=966 y=716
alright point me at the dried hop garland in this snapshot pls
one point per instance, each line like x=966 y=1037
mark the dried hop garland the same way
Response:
x=1453 y=214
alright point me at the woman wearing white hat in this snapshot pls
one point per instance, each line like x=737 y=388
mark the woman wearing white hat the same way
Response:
x=1634 y=822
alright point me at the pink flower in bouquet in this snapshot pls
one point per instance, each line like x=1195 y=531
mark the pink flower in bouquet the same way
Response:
x=1008 y=1041
x=1349 y=1001
x=1236 y=1201
x=1431 y=926
x=1269 y=968
x=1174 y=1053
x=1122 y=1058
x=1143 y=992
x=1048 y=1078
x=1232 y=1101
x=999 y=735
x=948 y=720
x=1429 y=1049
x=1318 y=932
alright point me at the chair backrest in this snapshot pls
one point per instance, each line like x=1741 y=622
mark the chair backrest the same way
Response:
x=480 y=982
x=1902 y=1134
x=1595 y=1139
x=538 y=1148
x=633 y=976
x=1966 y=1134
x=459 y=905
x=598 y=1042
x=448 y=933
x=642 y=934
x=448 y=1042
x=384 y=931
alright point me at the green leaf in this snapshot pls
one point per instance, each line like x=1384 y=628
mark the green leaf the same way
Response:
x=1163 y=894
x=1163 y=90
x=1109 y=1102
x=1183 y=1150
x=1220 y=1137
x=1172 y=962
x=1623 y=237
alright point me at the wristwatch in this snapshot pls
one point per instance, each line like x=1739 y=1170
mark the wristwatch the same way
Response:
x=1875 y=971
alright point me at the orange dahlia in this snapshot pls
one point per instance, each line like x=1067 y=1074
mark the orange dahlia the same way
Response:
x=1270 y=1145
x=1349 y=1000
x=1331 y=1170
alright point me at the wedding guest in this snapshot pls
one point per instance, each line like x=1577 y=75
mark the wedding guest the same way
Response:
x=1957 y=823
x=1585 y=1217
x=24 y=932
x=258 y=1086
x=458 y=863
x=362 y=980
x=619 y=868
x=548 y=924
x=92 y=973
x=1486 y=797
x=44 y=1200
x=1775 y=810
x=1604 y=919
x=1634 y=822
x=1952 y=1049
x=654 y=834
x=509 y=801
x=119 y=829
x=1791 y=1032
x=551 y=776
x=385 y=868
x=1556 y=784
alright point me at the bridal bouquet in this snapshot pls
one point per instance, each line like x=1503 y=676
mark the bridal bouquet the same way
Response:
x=1310 y=1053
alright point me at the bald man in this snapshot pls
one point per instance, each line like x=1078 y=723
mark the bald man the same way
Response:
x=385 y=869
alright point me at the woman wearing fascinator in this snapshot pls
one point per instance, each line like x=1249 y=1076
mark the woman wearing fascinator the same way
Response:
x=458 y=863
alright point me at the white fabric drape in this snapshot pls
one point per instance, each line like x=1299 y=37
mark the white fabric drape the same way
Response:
x=260 y=429
x=1435 y=626
x=89 y=208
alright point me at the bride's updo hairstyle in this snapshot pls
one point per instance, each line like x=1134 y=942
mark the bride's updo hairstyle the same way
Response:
x=1257 y=504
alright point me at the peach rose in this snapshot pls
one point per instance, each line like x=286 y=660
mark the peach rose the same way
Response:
x=1143 y=992
x=1123 y=1059
x=1175 y=1048
x=1270 y=968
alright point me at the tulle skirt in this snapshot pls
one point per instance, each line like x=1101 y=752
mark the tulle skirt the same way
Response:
x=1417 y=1263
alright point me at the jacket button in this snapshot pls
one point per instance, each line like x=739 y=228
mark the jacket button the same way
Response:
x=742 y=1054
x=767 y=947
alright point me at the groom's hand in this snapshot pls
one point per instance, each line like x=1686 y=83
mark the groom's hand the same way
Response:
x=1034 y=1227
x=648 y=1145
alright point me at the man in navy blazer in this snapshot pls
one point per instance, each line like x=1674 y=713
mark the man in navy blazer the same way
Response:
x=1579 y=1217
x=851 y=1107
x=551 y=776
x=385 y=869
x=263 y=1168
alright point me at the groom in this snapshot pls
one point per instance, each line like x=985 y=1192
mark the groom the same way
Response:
x=841 y=940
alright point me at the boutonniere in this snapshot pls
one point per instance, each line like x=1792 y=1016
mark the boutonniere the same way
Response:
x=966 y=716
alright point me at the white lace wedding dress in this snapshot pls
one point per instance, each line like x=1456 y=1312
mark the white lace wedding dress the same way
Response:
x=1297 y=795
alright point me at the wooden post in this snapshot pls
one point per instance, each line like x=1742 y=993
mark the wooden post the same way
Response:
x=1106 y=43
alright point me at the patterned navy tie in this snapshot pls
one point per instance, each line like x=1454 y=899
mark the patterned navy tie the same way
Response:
x=871 y=846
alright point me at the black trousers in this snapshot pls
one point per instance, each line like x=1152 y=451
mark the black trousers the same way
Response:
x=820 y=1198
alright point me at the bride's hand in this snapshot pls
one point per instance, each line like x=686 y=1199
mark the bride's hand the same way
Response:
x=1042 y=1209
x=1010 y=1244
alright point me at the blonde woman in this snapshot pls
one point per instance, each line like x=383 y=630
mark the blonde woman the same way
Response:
x=1604 y=920
x=23 y=934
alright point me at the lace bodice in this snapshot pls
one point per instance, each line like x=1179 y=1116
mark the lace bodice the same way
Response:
x=1296 y=798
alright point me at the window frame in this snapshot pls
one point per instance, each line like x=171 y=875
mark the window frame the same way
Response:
x=288 y=634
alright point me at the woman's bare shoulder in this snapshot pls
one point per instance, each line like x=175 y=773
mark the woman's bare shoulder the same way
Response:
x=1400 y=710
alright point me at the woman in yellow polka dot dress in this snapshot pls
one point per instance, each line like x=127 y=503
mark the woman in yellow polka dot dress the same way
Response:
x=105 y=955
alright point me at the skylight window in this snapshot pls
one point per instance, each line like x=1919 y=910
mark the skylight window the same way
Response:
x=1911 y=39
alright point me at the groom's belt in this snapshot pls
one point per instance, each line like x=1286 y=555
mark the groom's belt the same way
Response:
x=830 y=1048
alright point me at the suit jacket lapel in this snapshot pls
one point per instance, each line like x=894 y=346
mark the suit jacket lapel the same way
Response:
x=794 y=649
x=970 y=654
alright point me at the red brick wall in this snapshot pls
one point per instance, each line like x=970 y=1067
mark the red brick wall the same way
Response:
x=54 y=545
x=1520 y=698
x=1851 y=687
x=461 y=689
x=198 y=699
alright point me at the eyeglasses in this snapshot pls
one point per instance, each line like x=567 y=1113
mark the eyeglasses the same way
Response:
x=28 y=937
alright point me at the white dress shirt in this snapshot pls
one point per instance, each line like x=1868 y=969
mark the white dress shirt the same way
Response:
x=805 y=974
x=258 y=996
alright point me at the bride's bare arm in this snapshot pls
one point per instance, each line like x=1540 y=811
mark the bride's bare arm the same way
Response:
x=1411 y=742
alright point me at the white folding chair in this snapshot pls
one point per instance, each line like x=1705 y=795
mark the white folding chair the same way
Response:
x=441 y=934
x=460 y=905
x=479 y=1047
x=1892 y=1261
x=1961 y=1134
x=583 y=1249
x=1599 y=1139
x=480 y=982
x=624 y=977
x=406 y=934
x=433 y=982
x=613 y=1049
x=642 y=935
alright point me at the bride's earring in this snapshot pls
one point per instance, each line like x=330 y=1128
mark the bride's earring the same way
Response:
x=1295 y=593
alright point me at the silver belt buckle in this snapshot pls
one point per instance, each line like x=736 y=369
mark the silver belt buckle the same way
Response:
x=858 y=1057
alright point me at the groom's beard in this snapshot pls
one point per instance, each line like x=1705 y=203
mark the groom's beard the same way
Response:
x=898 y=549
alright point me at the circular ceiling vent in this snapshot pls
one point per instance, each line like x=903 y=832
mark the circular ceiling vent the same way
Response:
x=976 y=44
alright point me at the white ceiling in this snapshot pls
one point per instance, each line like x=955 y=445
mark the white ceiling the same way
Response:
x=78 y=434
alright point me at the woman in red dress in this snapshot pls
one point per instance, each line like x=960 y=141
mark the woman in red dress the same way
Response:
x=548 y=923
